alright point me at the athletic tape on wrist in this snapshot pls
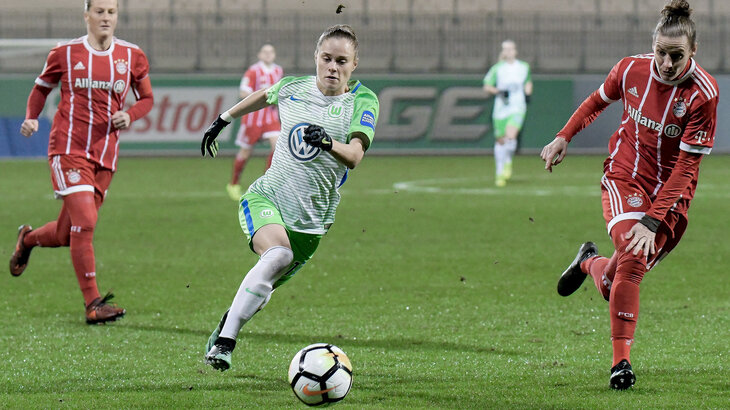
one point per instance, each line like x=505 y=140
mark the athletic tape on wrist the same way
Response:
x=227 y=117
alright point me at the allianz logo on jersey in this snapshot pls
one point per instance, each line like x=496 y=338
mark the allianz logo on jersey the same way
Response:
x=118 y=86
x=297 y=147
x=671 y=130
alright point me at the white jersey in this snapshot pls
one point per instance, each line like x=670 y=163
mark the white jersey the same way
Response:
x=511 y=77
x=303 y=181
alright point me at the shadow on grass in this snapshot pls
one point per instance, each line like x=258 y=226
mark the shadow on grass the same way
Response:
x=397 y=344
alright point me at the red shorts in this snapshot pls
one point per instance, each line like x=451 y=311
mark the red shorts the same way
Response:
x=248 y=136
x=71 y=174
x=625 y=200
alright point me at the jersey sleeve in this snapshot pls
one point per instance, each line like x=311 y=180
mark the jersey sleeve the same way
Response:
x=699 y=134
x=528 y=77
x=140 y=66
x=610 y=90
x=248 y=81
x=491 y=77
x=272 y=93
x=52 y=70
x=364 y=114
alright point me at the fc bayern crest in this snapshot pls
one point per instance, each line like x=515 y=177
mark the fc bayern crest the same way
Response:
x=73 y=176
x=635 y=200
x=121 y=66
x=679 y=109
x=297 y=147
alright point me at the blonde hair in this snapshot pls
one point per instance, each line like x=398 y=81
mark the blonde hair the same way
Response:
x=87 y=5
x=339 y=31
x=675 y=21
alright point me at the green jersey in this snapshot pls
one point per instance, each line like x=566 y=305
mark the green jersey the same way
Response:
x=303 y=181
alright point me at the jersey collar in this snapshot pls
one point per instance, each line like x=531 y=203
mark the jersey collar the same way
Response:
x=96 y=52
x=687 y=72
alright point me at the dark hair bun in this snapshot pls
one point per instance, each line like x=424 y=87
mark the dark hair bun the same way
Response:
x=677 y=8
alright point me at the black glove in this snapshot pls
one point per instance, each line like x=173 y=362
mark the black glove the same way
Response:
x=315 y=136
x=504 y=94
x=527 y=98
x=209 y=143
x=651 y=223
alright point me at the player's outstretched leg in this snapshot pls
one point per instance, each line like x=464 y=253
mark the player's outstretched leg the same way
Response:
x=19 y=258
x=622 y=376
x=99 y=311
x=573 y=277
x=253 y=293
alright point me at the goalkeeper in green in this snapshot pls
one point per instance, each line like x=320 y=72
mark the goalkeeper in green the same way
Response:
x=327 y=124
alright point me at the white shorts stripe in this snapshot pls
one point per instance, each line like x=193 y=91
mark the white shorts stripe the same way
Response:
x=74 y=189
x=612 y=200
x=58 y=172
x=623 y=217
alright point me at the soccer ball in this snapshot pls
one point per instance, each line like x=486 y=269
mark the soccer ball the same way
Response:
x=320 y=374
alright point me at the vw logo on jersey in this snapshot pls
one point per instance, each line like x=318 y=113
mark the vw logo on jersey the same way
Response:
x=119 y=86
x=672 y=130
x=297 y=147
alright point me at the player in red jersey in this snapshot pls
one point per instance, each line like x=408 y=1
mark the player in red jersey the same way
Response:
x=260 y=124
x=95 y=73
x=650 y=176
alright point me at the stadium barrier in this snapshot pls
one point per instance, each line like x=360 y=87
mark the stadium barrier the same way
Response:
x=419 y=115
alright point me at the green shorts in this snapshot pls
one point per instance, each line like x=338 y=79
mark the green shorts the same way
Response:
x=500 y=124
x=256 y=211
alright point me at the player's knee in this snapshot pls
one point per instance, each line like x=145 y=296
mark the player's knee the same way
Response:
x=279 y=257
x=630 y=268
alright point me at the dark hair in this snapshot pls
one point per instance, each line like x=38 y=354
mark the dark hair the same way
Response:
x=339 y=31
x=675 y=21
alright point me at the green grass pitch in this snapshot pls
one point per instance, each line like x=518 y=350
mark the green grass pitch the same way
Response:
x=439 y=287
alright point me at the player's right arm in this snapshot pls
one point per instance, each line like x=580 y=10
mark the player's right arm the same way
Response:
x=254 y=102
x=45 y=82
x=609 y=92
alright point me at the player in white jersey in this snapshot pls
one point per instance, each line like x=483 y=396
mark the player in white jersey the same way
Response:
x=327 y=124
x=510 y=82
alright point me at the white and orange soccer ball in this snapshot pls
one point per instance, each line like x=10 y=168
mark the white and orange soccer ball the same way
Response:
x=320 y=374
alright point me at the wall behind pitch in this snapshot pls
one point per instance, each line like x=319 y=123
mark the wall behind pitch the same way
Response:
x=418 y=115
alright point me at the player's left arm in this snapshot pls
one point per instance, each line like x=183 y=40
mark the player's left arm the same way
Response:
x=351 y=153
x=142 y=89
x=360 y=133
x=697 y=141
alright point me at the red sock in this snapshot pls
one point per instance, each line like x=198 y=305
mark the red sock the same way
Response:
x=601 y=269
x=623 y=304
x=268 y=160
x=238 y=165
x=83 y=214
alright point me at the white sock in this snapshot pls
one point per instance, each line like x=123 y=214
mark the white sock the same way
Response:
x=256 y=288
x=500 y=157
x=510 y=146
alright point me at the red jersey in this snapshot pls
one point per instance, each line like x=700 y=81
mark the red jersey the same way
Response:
x=660 y=119
x=94 y=85
x=258 y=77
